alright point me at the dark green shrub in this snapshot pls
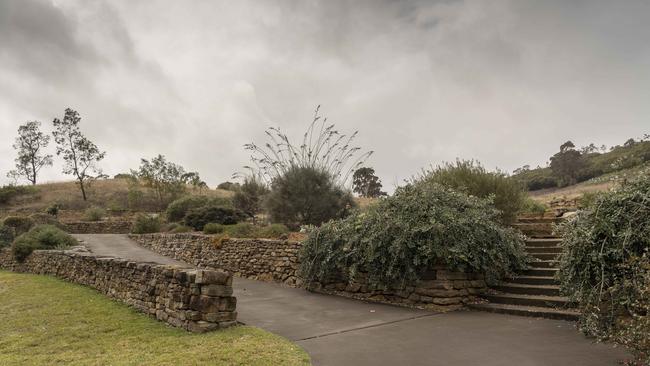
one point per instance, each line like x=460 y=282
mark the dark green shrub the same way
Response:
x=145 y=224
x=241 y=230
x=41 y=237
x=94 y=214
x=6 y=236
x=534 y=179
x=10 y=191
x=177 y=210
x=213 y=228
x=20 y=224
x=199 y=217
x=532 y=206
x=273 y=231
x=472 y=178
x=605 y=265
x=397 y=239
x=307 y=196
x=248 y=198
x=52 y=210
x=229 y=186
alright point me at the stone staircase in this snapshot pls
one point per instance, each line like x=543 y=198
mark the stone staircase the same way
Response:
x=535 y=292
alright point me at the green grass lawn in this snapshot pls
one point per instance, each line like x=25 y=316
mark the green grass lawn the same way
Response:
x=46 y=321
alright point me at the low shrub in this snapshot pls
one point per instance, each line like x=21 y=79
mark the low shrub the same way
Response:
x=181 y=229
x=213 y=228
x=94 y=214
x=532 y=206
x=241 y=230
x=199 y=217
x=307 y=196
x=273 y=231
x=472 y=178
x=20 y=224
x=6 y=236
x=397 y=239
x=52 y=210
x=10 y=191
x=177 y=210
x=145 y=224
x=41 y=237
x=605 y=265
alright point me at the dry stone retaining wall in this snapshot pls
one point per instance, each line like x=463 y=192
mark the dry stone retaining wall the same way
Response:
x=196 y=300
x=257 y=259
x=277 y=260
x=98 y=227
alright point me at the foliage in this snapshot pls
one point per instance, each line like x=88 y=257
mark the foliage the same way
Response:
x=533 y=207
x=179 y=208
x=29 y=145
x=323 y=148
x=472 y=178
x=199 y=217
x=193 y=179
x=181 y=229
x=366 y=183
x=306 y=196
x=605 y=265
x=41 y=237
x=48 y=321
x=229 y=186
x=164 y=177
x=145 y=224
x=534 y=179
x=400 y=237
x=6 y=236
x=248 y=198
x=80 y=155
x=10 y=191
x=247 y=230
x=213 y=228
x=20 y=224
x=53 y=209
x=94 y=214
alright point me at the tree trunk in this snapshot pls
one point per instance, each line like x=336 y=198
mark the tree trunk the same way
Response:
x=83 y=190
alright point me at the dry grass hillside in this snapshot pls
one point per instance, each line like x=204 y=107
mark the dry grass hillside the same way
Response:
x=117 y=196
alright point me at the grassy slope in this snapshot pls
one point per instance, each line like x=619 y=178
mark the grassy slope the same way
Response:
x=108 y=193
x=45 y=321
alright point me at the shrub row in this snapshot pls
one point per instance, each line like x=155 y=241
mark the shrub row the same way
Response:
x=246 y=230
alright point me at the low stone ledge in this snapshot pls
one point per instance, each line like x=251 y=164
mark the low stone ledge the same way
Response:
x=98 y=227
x=196 y=300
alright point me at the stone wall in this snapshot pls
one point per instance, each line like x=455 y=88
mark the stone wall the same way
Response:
x=277 y=260
x=196 y=300
x=98 y=227
x=439 y=288
x=257 y=259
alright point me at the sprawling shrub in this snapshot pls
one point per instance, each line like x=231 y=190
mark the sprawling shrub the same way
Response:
x=531 y=206
x=145 y=224
x=241 y=230
x=41 y=237
x=400 y=237
x=213 y=228
x=605 y=265
x=181 y=229
x=6 y=236
x=273 y=231
x=248 y=198
x=10 y=191
x=20 y=224
x=52 y=210
x=94 y=214
x=179 y=208
x=307 y=196
x=199 y=217
x=472 y=178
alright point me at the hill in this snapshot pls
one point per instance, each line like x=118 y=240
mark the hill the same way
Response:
x=117 y=196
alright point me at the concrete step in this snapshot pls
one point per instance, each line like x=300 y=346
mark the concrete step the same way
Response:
x=534 y=280
x=545 y=256
x=533 y=311
x=541 y=242
x=533 y=250
x=543 y=264
x=529 y=300
x=547 y=272
x=524 y=289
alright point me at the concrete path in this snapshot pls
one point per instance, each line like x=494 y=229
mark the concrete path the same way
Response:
x=340 y=331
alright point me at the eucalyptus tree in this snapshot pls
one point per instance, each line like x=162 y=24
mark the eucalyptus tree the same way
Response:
x=29 y=145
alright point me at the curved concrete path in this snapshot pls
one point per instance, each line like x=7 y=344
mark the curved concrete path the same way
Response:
x=340 y=331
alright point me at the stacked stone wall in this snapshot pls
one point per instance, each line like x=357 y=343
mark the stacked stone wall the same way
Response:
x=98 y=227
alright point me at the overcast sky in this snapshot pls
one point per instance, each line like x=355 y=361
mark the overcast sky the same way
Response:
x=504 y=82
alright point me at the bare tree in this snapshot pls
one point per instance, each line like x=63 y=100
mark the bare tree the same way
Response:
x=79 y=154
x=29 y=145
